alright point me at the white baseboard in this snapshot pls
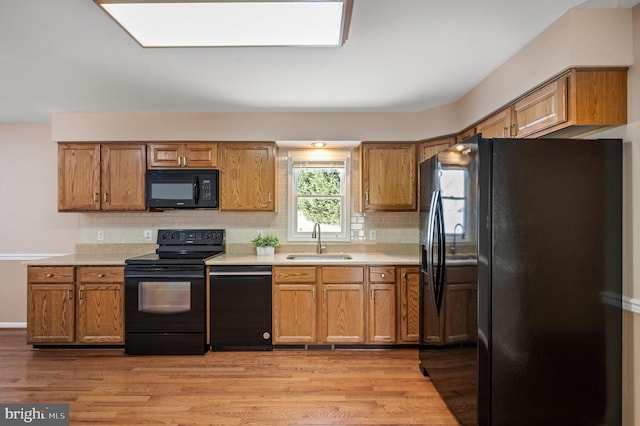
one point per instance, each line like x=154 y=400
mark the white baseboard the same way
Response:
x=13 y=325
x=631 y=304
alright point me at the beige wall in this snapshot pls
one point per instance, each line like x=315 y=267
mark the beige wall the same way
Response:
x=30 y=223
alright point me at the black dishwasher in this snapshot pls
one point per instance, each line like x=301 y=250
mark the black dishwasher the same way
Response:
x=240 y=307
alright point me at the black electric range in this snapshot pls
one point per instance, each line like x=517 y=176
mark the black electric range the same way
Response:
x=165 y=293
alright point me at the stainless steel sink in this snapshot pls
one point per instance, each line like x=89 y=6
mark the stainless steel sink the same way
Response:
x=319 y=257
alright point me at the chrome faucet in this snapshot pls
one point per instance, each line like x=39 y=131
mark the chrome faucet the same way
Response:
x=316 y=234
x=453 y=246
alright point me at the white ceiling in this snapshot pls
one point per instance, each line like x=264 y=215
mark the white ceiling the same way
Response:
x=401 y=55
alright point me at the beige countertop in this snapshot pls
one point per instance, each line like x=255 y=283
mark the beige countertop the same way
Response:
x=281 y=259
x=118 y=259
x=82 y=259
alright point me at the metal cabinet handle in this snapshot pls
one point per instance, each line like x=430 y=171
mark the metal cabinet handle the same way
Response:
x=366 y=196
x=96 y=197
x=382 y=275
x=70 y=294
x=100 y=275
x=105 y=197
x=372 y=291
x=81 y=295
x=314 y=294
x=49 y=275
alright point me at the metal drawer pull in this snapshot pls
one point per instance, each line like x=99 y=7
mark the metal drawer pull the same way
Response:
x=382 y=275
x=70 y=293
x=49 y=275
x=100 y=275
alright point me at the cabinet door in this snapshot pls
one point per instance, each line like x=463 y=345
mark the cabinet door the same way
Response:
x=201 y=155
x=50 y=313
x=541 y=109
x=432 y=324
x=389 y=177
x=248 y=177
x=123 y=169
x=343 y=313
x=164 y=155
x=496 y=126
x=410 y=305
x=100 y=313
x=457 y=313
x=382 y=313
x=78 y=177
x=294 y=313
x=100 y=309
x=430 y=148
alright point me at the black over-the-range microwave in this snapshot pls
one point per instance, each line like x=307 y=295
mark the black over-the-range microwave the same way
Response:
x=182 y=189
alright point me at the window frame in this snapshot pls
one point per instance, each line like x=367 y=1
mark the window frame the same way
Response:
x=310 y=157
x=465 y=235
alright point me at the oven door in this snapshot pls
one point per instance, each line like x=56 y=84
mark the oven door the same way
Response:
x=165 y=299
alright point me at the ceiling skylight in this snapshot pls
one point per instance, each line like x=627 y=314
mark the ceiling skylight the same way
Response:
x=232 y=23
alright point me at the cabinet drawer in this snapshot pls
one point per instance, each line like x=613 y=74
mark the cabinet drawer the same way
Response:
x=101 y=274
x=50 y=274
x=343 y=274
x=461 y=274
x=382 y=274
x=294 y=274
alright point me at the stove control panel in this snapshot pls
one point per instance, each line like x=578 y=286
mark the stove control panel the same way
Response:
x=191 y=236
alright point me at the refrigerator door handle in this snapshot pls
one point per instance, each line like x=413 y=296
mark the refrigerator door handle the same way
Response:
x=440 y=279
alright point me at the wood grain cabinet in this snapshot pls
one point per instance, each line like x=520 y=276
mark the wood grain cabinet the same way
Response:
x=457 y=322
x=428 y=149
x=342 y=304
x=389 y=176
x=51 y=304
x=578 y=101
x=294 y=305
x=194 y=155
x=75 y=305
x=100 y=309
x=93 y=177
x=409 y=304
x=381 y=318
x=247 y=176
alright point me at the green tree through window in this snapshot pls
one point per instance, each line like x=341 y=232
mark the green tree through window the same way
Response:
x=315 y=190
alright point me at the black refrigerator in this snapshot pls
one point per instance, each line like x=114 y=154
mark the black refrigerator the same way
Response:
x=542 y=219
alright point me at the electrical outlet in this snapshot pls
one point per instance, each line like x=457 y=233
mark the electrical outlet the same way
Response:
x=100 y=236
x=147 y=235
x=373 y=235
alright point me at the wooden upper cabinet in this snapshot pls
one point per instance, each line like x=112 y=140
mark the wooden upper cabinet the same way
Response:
x=427 y=149
x=247 y=176
x=541 y=109
x=195 y=155
x=576 y=102
x=389 y=176
x=78 y=177
x=101 y=177
x=123 y=169
x=496 y=126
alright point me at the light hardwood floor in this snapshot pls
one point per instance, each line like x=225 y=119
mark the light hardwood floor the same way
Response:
x=283 y=387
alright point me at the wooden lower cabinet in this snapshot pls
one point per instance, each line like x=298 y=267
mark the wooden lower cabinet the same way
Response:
x=75 y=305
x=342 y=305
x=409 y=304
x=345 y=304
x=294 y=305
x=457 y=322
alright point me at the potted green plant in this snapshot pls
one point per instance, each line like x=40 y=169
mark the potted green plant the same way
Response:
x=266 y=244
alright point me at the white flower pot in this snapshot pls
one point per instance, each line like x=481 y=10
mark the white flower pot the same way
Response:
x=265 y=251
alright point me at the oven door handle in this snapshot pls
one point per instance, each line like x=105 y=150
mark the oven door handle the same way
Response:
x=162 y=274
x=240 y=274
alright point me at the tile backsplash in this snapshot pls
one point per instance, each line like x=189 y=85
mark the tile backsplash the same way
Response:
x=242 y=227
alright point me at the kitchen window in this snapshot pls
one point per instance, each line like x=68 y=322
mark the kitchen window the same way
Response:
x=454 y=184
x=319 y=193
